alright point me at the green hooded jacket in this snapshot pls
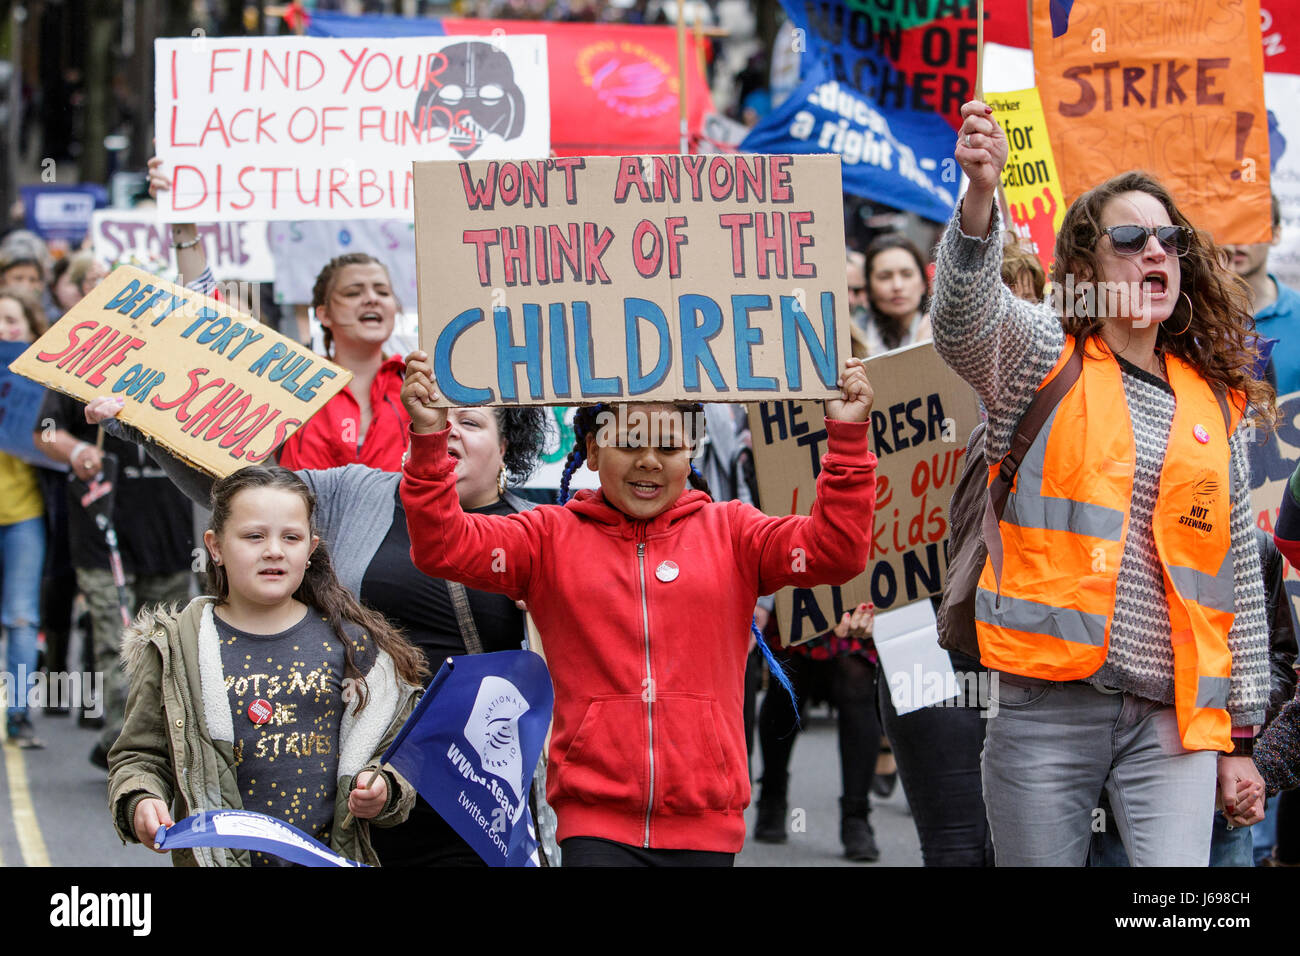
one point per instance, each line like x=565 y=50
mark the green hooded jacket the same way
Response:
x=177 y=742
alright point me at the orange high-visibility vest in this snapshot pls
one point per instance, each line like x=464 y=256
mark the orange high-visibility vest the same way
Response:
x=1063 y=532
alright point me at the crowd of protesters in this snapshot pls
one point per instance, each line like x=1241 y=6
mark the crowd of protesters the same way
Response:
x=367 y=537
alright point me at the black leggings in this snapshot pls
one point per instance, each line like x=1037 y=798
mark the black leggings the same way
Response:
x=853 y=692
x=938 y=754
x=593 y=851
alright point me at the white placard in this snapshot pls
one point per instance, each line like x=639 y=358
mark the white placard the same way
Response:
x=235 y=250
x=919 y=671
x=276 y=128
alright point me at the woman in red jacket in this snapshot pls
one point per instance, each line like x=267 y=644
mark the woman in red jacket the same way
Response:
x=643 y=594
x=365 y=423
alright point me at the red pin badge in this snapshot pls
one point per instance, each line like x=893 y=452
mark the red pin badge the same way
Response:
x=259 y=711
x=1201 y=434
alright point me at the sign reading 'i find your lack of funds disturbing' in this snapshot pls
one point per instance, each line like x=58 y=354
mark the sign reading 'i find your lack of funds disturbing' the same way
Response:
x=207 y=382
x=591 y=279
x=921 y=418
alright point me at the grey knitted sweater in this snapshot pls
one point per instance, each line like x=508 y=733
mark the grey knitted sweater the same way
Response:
x=1004 y=347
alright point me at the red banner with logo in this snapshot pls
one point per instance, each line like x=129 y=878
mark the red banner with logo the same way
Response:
x=614 y=88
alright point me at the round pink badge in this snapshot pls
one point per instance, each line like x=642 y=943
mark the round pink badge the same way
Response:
x=1201 y=434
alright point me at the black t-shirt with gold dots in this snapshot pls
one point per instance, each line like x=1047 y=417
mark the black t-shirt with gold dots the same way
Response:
x=287 y=767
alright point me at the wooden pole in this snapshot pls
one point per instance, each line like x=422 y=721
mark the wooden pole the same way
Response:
x=979 y=50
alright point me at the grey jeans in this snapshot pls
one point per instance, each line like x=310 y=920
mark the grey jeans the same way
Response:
x=1052 y=748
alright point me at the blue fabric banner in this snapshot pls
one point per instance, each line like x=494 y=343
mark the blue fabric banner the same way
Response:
x=246 y=830
x=896 y=157
x=472 y=744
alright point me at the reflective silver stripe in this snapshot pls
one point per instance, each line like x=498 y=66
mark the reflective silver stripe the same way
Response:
x=1028 y=508
x=1215 y=591
x=1034 y=618
x=1064 y=514
x=1213 y=692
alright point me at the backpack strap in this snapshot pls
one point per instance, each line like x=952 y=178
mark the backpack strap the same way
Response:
x=460 y=600
x=1031 y=423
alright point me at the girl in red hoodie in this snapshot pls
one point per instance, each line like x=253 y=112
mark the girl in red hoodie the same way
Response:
x=643 y=593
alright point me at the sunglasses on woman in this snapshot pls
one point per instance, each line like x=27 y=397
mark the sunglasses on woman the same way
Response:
x=1131 y=240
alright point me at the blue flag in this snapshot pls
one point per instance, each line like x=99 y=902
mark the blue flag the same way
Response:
x=900 y=158
x=472 y=744
x=20 y=407
x=246 y=830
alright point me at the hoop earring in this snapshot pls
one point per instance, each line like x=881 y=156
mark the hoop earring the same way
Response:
x=1189 y=316
x=501 y=481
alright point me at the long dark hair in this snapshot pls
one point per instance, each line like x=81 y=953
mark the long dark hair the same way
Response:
x=320 y=588
x=891 y=332
x=1216 y=337
x=585 y=422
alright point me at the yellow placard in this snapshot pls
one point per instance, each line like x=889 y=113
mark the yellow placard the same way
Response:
x=1029 y=179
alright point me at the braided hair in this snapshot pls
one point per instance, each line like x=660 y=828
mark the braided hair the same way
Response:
x=584 y=424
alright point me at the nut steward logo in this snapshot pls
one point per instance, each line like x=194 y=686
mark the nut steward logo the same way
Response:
x=493 y=730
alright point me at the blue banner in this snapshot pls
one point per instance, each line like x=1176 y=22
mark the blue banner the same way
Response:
x=62 y=212
x=472 y=744
x=20 y=407
x=246 y=830
x=896 y=157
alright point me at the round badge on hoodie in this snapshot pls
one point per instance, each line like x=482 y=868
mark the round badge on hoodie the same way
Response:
x=667 y=571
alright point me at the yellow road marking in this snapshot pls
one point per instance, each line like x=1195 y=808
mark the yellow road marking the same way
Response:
x=31 y=845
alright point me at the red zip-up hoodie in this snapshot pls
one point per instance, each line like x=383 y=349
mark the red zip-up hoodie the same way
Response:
x=332 y=437
x=645 y=626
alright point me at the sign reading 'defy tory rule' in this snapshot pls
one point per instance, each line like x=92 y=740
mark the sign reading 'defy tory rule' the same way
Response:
x=641 y=278
x=266 y=128
x=206 y=381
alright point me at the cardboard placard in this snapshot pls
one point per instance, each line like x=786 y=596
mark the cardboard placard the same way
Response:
x=697 y=278
x=922 y=416
x=264 y=128
x=1273 y=458
x=301 y=248
x=1172 y=91
x=1029 y=179
x=202 y=379
x=235 y=250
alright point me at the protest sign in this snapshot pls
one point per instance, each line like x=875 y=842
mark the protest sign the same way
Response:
x=20 y=407
x=61 y=212
x=916 y=55
x=1029 y=178
x=920 y=420
x=264 y=128
x=202 y=379
x=889 y=159
x=618 y=83
x=301 y=249
x=1273 y=457
x=1170 y=92
x=698 y=278
x=472 y=744
x=235 y=250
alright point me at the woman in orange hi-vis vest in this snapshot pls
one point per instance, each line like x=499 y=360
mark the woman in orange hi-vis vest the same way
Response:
x=1125 y=622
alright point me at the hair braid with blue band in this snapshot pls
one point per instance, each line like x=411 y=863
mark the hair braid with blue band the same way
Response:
x=775 y=667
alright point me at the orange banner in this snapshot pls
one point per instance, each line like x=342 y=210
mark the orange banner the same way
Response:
x=1176 y=90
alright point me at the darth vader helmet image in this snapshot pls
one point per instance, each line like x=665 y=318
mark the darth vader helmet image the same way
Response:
x=478 y=97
